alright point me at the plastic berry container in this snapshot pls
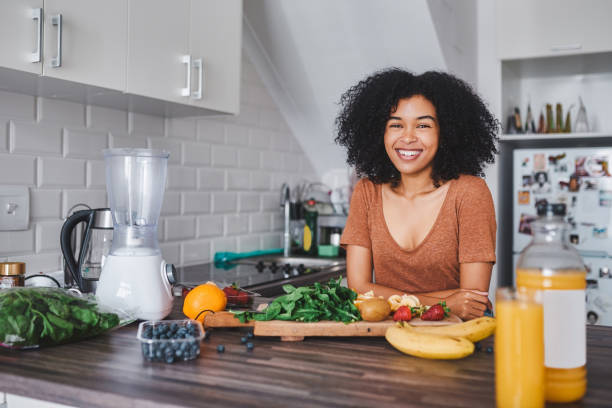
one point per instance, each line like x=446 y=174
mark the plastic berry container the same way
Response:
x=169 y=341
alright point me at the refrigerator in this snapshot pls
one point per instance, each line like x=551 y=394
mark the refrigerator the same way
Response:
x=581 y=178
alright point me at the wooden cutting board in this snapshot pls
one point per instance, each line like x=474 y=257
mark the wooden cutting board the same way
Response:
x=296 y=331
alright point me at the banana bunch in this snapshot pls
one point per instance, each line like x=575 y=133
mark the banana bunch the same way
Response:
x=440 y=342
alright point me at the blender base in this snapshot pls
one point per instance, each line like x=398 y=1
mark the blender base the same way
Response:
x=137 y=285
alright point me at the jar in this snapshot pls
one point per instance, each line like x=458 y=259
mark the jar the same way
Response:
x=12 y=274
x=549 y=264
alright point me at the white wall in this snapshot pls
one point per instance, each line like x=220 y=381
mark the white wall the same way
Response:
x=224 y=173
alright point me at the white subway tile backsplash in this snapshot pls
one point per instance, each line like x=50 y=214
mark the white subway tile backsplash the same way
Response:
x=17 y=169
x=210 y=226
x=179 y=228
x=260 y=180
x=81 y=143
x=37 y=263
x=64 y=112
x=295 y=146
x=237 y=135
x=260 y=138
x=45 y=203
x=272 y=160
x=96 y=174
x=182 y=128
x=107 y=119
x=182 y=178
x=223 y=156
x=224 y=202
x=236 y=224
x=123 y=140
x=195 y=252
x=211 y=179
x=272 y=240
x=248 y=202
x=270 y=202
x=196 y=202
x=36 y=138
x=147 y=125
x=4 y=135
x=60 y=172
x=238 y=180
x=210 y=131
x=171 y=252
x=196 y=154
x=271 y=119
x=249 y=115
x=14 y=105
x=249 y=158
x=260 y=222
x=47 y=236
x=278 y=221
x=228 y=244
x=291 y=162
x=248 y=243
x=172 y=203
x=281 y=141
x=171 y=146
x=13 y=242
x=93 y=198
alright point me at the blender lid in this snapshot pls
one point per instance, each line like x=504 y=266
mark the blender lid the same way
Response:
x=137 y=152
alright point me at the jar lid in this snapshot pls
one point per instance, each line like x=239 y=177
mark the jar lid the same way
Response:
x=12 y=268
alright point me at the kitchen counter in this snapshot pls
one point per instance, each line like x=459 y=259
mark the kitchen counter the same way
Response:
x=109 y=371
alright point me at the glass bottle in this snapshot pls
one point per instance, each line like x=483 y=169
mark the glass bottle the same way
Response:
x=550 y=264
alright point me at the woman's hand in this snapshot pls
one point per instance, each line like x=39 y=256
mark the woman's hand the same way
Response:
x=467 y=304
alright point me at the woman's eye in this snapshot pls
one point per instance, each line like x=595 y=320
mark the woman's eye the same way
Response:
x=423 y=125
x=395 y=125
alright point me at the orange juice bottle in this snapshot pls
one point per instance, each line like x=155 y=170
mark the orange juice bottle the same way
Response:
x=549 y=264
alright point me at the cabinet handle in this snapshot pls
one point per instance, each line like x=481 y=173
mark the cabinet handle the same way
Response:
x=197 y=64
x=37 y=15
x=186 y=91
x=566 y=47
x=57 y=21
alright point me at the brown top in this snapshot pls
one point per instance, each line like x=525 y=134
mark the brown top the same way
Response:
x=463 y=232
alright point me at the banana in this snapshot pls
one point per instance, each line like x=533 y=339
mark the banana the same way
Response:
x=426 y=345
x=473 y=330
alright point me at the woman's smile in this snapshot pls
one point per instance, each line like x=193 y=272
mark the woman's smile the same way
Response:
x=405 y=154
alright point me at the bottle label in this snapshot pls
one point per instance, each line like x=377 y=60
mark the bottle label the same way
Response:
x=564 y=328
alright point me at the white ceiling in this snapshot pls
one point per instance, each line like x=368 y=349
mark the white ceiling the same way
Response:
x=309 y=52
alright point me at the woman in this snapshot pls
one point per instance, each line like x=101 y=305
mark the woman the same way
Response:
x=421 y=216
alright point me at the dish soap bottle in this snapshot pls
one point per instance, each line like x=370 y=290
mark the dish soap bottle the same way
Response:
x=551 y=265
x=310 y=228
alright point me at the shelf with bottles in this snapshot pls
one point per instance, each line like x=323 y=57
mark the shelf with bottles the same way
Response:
x=567 y=93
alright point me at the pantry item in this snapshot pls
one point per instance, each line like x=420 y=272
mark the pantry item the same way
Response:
x=310 y=228
x=550 y=264
x=135 y=277
x=170 y=340
x=12 y=274
x=519 y=349
x=85 y=240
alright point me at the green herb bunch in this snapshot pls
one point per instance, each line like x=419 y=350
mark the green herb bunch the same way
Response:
x=31 y=317
x=309 y=304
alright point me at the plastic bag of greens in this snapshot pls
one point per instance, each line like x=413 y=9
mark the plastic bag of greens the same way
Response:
x=35 y=316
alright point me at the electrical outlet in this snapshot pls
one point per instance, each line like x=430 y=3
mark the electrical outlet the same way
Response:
x=14 y=208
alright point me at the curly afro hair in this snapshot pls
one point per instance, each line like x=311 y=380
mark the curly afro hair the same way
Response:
x=468 y=131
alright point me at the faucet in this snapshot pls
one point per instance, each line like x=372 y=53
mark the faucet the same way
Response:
x=285 y=205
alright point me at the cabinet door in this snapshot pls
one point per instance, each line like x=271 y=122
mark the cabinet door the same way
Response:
x=93 y=41
x=158 y=32
x=216 y=40
x=528 y=28
x=19 y=36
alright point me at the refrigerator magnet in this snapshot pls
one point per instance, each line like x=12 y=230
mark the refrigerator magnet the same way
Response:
x=524 y=197
x=527 y=180
x=541 y=184
x=539 y=162
x=574 y=239
x=600 y=232
x=605 y=198
x=574 y=183
x=590 y=184
x=580 y=166
x=597 y=166
x=525 y=162
x=525 y=224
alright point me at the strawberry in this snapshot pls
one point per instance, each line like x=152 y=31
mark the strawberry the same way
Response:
x=230 y=291
x=243 y=298
x=402 y=314
x=436 y=312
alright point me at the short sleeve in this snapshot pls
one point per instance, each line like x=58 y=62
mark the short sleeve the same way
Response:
x=477 y=226
x=356 y=230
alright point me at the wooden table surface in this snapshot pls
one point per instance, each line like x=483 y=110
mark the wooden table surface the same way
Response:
x=109 y=371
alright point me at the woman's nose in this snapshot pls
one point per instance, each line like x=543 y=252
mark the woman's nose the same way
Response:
x=409 y=136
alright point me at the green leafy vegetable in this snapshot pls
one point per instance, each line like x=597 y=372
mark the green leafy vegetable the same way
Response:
x=31 y=317
x=309 y=304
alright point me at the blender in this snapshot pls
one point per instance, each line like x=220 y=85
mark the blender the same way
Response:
x=135 y=277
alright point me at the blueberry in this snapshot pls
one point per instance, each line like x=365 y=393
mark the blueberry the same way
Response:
x=250 y=335
x=173 y=327
x=158 y=354
x=178 y=353
x=170 y=359
x=489 y=349
x=163 y=336
x=249 y=346
x=175 y=345
x=243 y=340
x=478 y=346
x=220 y=348
x=184 y=346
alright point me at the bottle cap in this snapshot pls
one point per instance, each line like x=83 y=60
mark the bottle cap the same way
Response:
x=549 y=209
x=12 y=268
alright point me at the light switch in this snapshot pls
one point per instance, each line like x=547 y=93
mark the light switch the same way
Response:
x=14 y=208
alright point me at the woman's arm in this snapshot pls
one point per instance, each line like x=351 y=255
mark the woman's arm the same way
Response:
x=359 y=272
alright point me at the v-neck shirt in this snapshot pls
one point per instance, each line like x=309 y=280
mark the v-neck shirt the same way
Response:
x=463 y=232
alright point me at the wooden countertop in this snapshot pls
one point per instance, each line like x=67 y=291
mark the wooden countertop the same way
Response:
x=109 y=371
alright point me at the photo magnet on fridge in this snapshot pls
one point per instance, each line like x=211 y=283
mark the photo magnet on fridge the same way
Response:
x=600 y=232
x=590 y=184
x=527 y=180
x=525 y=224
x=605 y=198
x=540 y=183
x=597 y=166
x=524 y=197
x=574 y=239
x=539 y=162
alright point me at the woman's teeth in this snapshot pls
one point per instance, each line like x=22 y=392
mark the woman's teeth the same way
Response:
x=409 y=153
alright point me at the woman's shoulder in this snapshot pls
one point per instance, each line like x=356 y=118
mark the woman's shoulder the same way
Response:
x=367 y=188
x=468 y=184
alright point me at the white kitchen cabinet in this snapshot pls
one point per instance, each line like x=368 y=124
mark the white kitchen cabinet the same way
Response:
x=541 y=28
x=158 y=57
x=20 y=22
x=215 y=48
x=91 y=42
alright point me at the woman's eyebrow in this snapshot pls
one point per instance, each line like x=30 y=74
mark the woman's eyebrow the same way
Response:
x=394 y=117
x=426 y=117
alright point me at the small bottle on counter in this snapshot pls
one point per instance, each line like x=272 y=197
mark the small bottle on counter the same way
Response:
x=12 y=274
x=310 y=228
